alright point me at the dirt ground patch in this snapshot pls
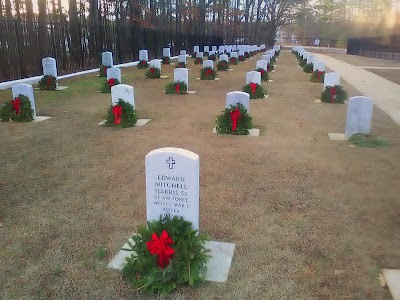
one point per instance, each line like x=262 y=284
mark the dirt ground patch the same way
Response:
x=392 y=75
x=364 y=61
x=297 y=205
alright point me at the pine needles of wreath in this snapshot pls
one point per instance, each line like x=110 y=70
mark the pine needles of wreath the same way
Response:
x=180 y=65
x=223 y=123
x=222 y=66
x=103 y=70
x=108 y=84
x=264 y=74
x=207 y=73
x=308 y=68
x=187 y=266
x=340 y=95
x=153 y=73
x=142 y=64
x=198 y=61
x=48 y=83
x=314 y=76
x=172 y=89
x=7 y=112
x=128 y=117
x=260 y=92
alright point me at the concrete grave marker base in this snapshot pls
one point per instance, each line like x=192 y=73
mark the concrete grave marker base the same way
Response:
x=61 y=87
x=139 y=122
x=266 y=96
x=40 y=119
x=252 y=132
x=191 y=92
x=337 y=136
x=164 y=76
x=317 y=101
x=217 y=267
x=273 y=71
x=392 y=278
x=270 y=80
x=216 y=79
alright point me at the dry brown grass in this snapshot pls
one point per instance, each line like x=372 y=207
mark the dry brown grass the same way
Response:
x=297 y=205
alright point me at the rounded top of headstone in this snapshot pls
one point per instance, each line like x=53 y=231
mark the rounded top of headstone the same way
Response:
x=179 y=151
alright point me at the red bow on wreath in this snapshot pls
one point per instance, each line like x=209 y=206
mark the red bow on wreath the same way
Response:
x=144 y=62
x=209 y=72
x=16 y=105
x=253 y=87
x=117 y=112
x=332 y=91
x=111 y=82
x=262 y=72
x=178 y=88
x=319 y=75
x=160 y=246
x=152 y=71
x=235 y=115
x=48 y=82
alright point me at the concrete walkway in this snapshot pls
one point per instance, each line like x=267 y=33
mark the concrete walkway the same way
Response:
x=384 y=93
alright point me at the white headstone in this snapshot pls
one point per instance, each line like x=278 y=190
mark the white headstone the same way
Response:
x=234 y=48
x=263 y=64
x=277 y=48
x=241 y=53
x=27 y=91
x=107 y=59
x=206 y=49
x=49 y=66
x=319 y=66
x=182 y=52
x=214 y=48
x=166 y=52
x=182 y=74
x=172 y=184
x=143 y=55
x=211 y=53
x=199 y=55
x=233 y=98
x=182 y=58
x=114 y=73
x=267 y=58
x=253 y=77
x=208 y=64
x=155 y=63
x=234 y=54
x=310 y=59
x=221 y=49
x=359 y=116
x=196 y=49
x=223 y=57
x=262 y=46
x=124 y=92
x=331 y=79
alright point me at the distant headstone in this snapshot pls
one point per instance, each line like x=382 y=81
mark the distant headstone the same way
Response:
x=27 y=91
x=263 y=64
x=208 y=64
x=114 y=73
x=234 y=48
x=107 y=59
x=182 y=74
x=182 y=58
x=214 y=48
x=319 y=66
x=143 y=55
x=262 y=46
x=331 y=79
x=155 y=63
x=211 y=53
x=310 y=59
x=253 y=77
x=206 y=49
x=241 y=53
x=199 y=55
x=317 y=42
x=223 y=57
x=233 y=98
x=359 y=116
x=196 y=49
x=166 y=52
x=267 y=58
x=234 y=54
x=277 y=48
x=182 y=52
x=49 y=66
x=172 y=184
x=221 y=49
x=124 y=92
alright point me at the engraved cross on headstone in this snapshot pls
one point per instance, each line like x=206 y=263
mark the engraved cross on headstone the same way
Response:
x=170 y=162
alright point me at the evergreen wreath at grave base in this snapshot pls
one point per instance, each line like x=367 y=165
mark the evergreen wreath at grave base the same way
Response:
x=166 y=60
x=223 y=123
x=222 y=65
x=247 y=54
x=172 y=89
x=258 y=93
x=270 y=66
x=206 y=53
x=264 y=74
x=252 y=53
x=308 y=68
x=103 y=70
x=208 y=74
x=233 y=60
x=212 y=57
x=143 y=64
x=302 y=62
x=17 y=110
x=128 y=117
x=180 y=65
x=314 y=76
x=198 y=61
x=185 y=266
x=48 y=83
x=241 y=58
x=277 y=53
x=106 y=86
x=369 y=141
x=194 y=54
x=153 y=73
x=339 y=92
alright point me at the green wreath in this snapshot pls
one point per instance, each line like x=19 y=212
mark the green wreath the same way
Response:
x=302 y=62
x=308 y=68
x=241 y=58
x=264 y=74
x=198 y=61
x=233 y=60
x=103 y=70
x=153 y=73
x=247 y=54
x=126 y=115
x=106 y=86
x=252 y=53
x=179 y=258
x=258 y=93
x=222 y=65
x=212 y=57
x=48 y=83
x=166 y=60
x=206 y=53
x=142 y=64
x=180 y=65
x=17 y=110
x=369 y=141
x=223 y=123
x=194 y=54
x=334 y=94
x=277 y=53
x=173 y=89
x=317 y=74
x=207 y=74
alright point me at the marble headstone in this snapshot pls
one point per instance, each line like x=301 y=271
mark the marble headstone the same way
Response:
x=214 y=48
x=182 y=52
x=182 y=58
x=234 y=54
x=124 y=92
x=359 y=116
x=143 y=55
x=182 y=74
x=263 y=64
x=166 y=52
x=27 y=91
x=196 y=49
x=206 y=49
x=107 y=59
x=221 y=49
x=49 y=66
x=253 y=77
x=331 y=79
x=234 y=98
x=267 y=58
x=208 y=64
x=319 y=66
x=114 y=73
x=155 y=63
x=223 y=57
x=199 y=55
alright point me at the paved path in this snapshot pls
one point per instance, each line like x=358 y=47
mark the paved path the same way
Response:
x=384 y=93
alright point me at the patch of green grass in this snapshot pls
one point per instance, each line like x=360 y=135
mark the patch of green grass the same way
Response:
x=102 y=252
x=369 y=141
x=57 y=271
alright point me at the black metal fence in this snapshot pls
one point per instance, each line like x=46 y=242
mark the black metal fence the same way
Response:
x=78 y=47
x=377 y=47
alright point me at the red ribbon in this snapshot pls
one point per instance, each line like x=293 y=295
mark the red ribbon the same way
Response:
x=235 y=115
x=144 y=62
x=152 y=71
x=117 y=112
x=160 y=246
x=232 y=60
x=319 y=75
x=262 y=71
x=48 y=82
x=253 y=87
x=16 y=105
x=332 y=91
x=111 y=82
x=105 y=69
x=178 y=88
x=209 y=72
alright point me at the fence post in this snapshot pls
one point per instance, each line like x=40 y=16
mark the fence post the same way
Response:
x=17 y=39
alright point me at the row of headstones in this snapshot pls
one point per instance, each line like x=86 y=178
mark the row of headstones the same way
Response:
x=359 y=110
